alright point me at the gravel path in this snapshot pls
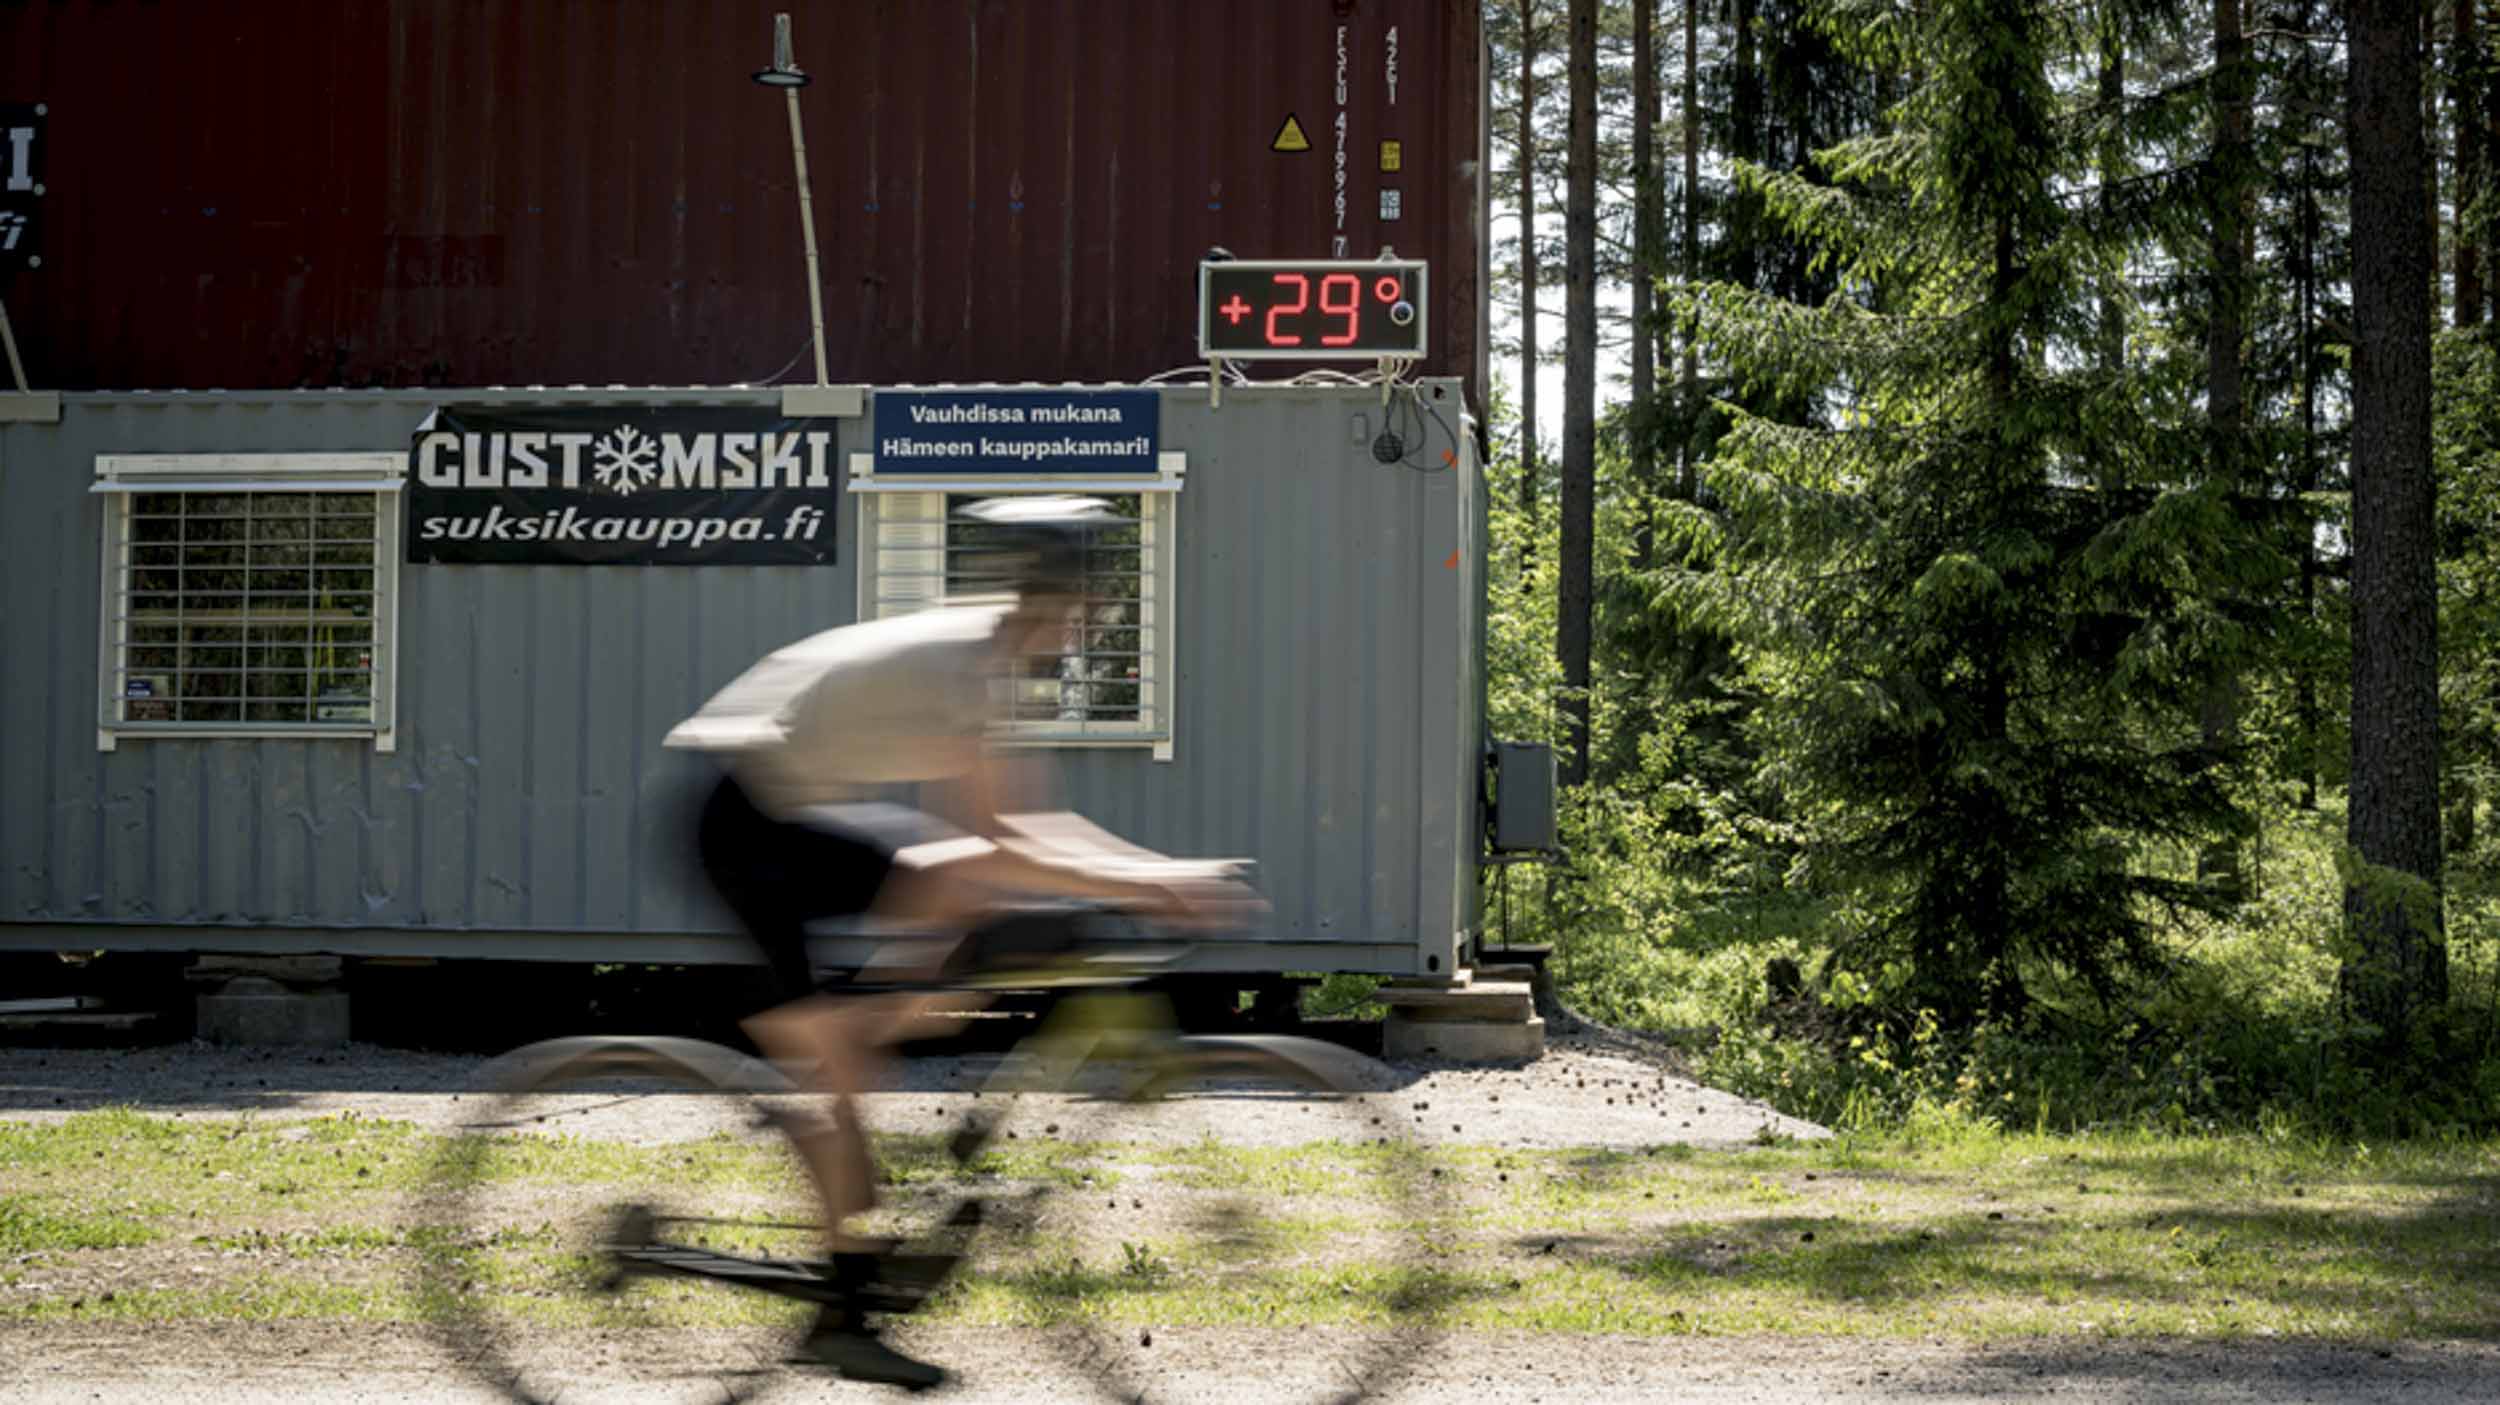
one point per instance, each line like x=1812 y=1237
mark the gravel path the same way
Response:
x=1583 y=1093
x=331 y=1365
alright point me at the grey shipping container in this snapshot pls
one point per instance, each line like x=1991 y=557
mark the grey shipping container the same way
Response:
x=313 y=193
x=1323 y=714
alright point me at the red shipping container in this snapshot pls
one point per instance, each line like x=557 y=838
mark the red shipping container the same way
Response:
x=465 y=192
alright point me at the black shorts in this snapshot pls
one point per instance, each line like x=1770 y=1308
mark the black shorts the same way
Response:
x=780 y=875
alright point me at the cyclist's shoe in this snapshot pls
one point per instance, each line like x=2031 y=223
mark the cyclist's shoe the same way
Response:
x=629 y=1227
x=856 y=1354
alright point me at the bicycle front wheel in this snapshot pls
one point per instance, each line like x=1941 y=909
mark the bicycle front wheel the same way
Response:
x=1224 y=1198
x=581 y=1151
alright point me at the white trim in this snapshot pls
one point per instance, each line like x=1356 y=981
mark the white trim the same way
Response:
x=127 y=486
x=1167 y=678
x=1028 y=483
x=368 y=471
x=120 y=476
x=116 y=544
x=386 y=530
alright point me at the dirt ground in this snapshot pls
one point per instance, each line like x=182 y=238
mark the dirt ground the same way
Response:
x=1588 y=1092
x=335 y=1365
x=1583 y=1093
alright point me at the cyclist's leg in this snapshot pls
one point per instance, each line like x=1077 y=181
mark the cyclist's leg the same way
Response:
x=777 y=877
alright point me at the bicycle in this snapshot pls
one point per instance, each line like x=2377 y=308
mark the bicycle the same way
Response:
x=1081 y=1189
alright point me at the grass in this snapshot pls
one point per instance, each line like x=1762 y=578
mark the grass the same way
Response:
x=1969 y=1238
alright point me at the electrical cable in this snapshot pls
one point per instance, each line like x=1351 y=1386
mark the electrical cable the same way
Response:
x=1417 y=407
x=794 y=360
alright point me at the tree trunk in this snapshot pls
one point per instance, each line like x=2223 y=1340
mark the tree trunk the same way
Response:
x=2113 y=96
x=2430 y=139
x=1528 y=456
x=2305 y=272
x=1747 y=146
x=1645 y=232
x=2466 y=101
x=2227 y=214
x=1688 y=395
x=1579 y=466
x=2487 y=102
x=2398 y=967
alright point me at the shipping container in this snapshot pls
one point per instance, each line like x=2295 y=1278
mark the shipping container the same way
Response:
x=379 y=193
x=491 y=781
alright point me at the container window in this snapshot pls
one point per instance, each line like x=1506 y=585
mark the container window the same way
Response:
x=248 y=612
x=1104 y=677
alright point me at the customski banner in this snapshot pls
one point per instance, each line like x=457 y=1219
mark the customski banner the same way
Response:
x=621 y=485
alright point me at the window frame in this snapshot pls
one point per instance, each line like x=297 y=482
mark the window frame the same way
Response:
x=1159 y=512
x=122 y=478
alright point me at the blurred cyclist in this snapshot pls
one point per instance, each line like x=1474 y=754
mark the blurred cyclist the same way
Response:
x=793 y=834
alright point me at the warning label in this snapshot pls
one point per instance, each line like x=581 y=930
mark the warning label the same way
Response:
x=1289 y=137
x=1391 y=156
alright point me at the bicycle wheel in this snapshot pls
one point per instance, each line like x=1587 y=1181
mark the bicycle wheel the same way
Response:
x=582 y=1146
x=1222 y=1199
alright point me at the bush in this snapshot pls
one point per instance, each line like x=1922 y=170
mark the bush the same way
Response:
x=2244 y=1033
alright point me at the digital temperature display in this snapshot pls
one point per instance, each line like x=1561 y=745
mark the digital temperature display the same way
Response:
x=1355 y=310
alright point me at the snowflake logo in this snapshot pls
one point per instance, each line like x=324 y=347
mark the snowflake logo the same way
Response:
x=625 y=459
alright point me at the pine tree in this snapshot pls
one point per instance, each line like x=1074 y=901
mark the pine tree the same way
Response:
x=2398 y=969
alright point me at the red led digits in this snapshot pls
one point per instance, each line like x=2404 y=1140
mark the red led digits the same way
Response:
x=1326 y=310
x=1300 y=283
x=1348 y=309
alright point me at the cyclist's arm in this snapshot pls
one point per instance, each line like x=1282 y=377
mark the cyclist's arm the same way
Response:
x=989 y=784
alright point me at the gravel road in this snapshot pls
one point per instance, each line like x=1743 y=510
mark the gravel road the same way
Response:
x=1581 y=1094
x=231 y=1364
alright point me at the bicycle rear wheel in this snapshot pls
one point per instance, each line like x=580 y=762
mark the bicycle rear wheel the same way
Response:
x=584 y=1146
x=1232 y=1197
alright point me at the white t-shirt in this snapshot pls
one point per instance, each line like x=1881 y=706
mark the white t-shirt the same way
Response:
x=877 y=703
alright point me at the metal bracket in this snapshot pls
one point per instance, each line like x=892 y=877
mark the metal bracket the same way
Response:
x=30 y=407
x=824 y=401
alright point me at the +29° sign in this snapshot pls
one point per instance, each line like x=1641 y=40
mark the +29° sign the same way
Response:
x=1311 y=310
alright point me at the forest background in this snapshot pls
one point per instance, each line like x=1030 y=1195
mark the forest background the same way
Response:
x=2021 y=636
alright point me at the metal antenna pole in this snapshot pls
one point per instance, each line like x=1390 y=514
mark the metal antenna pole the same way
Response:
x=783 y=62
x=17 y=368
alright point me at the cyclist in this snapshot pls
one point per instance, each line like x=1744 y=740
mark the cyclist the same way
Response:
x=796 y=832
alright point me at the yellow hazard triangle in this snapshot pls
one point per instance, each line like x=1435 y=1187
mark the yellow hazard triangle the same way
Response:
x=1289 y=136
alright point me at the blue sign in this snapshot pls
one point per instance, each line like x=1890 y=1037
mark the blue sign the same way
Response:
x=995 y=432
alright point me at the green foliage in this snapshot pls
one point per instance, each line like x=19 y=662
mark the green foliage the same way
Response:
x=1978 y=627
x=1916 y=691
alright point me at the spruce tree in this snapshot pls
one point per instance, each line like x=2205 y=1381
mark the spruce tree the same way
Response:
x=1982 y=665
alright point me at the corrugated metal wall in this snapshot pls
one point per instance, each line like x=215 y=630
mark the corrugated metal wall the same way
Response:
x=592 y=192
x=1326 y=711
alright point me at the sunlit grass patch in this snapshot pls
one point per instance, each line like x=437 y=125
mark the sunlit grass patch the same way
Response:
x=1867 y=1236
x=28 y=1227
